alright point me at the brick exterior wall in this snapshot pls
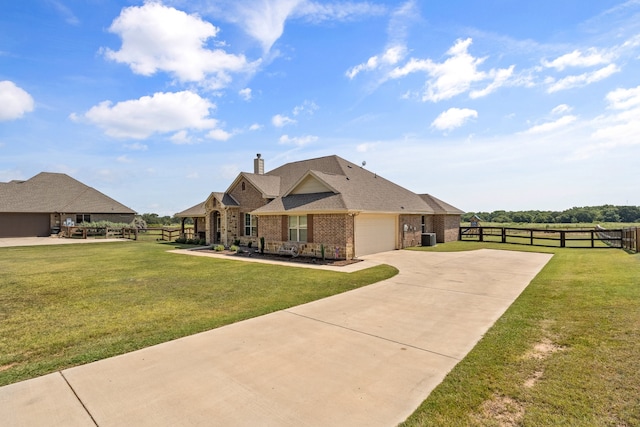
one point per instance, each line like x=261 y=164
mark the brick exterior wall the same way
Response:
x=412 y=235
x=329 y=230
x=446 y=228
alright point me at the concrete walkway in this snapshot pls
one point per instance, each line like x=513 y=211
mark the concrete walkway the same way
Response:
x=6 y=242
x=367 y=357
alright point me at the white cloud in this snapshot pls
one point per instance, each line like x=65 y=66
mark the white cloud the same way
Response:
x=455 y=75
x=136 y=146
x=124 y=159
x=391 y=56
x=219 y=135
x=396 y=49
x=298 y=141
x=181 y=138
x=255 y=126
x=65 y=12
x=337 y=11
x=584 y=79
x=280 y=121
x=265 y=20
x=453 y=118
x=500 y=77
x=577 y=59
x=366 y=147
x=307 y=107
x=245 y=94
x=623 y=126
x=160 y=113
x=160 y=38
x=14 y=101
x=622 y=99
x=551 y=126
x=561 y=109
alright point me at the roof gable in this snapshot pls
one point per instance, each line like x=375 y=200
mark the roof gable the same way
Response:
x=268 y=185
x=310 y=183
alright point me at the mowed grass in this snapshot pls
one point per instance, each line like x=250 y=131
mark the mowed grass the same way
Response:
x=567 y=352
x=66 y=305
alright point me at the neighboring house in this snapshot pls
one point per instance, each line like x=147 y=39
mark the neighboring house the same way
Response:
x=325 y=202
x=40 y=205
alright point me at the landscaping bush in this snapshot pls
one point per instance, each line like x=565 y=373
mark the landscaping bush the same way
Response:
x=234 y=248
x=202 y=242
x=181 y=240
x=218 y=248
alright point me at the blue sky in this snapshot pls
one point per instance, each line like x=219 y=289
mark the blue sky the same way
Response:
x=499 y=104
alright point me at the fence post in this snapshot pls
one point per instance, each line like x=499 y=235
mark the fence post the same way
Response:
x=592 y=241
x=562 y=238
x=637 y=240
x=481 y=235
x=504 y=235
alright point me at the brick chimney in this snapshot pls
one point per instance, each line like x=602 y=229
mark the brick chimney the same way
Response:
x=258 y=165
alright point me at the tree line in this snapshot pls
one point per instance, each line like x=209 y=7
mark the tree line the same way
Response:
x=154 y=219
x=587 y=214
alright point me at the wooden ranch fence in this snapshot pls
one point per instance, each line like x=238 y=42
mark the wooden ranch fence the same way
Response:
x=593 y=238
x=106 y=232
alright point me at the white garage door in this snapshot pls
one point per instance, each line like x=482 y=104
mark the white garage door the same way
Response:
x=375 y=233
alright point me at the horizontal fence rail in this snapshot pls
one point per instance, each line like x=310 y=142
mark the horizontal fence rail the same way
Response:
x=106 y=232
x=593 y=238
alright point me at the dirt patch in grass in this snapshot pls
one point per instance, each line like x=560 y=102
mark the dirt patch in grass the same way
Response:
x=543 y=349
x=7 y=367
x=501 y=411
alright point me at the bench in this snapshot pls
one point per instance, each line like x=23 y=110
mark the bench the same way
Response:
x=289 y=249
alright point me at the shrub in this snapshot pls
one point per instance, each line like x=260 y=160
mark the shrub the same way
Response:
x=218 y=248
x=261 y=245
x=249 y=245
x=202 y=242
x=234 y=248
x=181 y=240
x=236 y=242
x=190 y=242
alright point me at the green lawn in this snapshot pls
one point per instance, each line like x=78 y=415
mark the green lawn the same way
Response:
x=567 y=352
x=66 y=305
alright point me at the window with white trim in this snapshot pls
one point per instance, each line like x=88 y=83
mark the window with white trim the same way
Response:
x=250 y=225
x=298 y=228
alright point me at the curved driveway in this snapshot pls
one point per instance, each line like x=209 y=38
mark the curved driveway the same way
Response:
x=367 y=357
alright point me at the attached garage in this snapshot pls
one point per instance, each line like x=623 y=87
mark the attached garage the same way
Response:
x=24 y=225
x=375 y=233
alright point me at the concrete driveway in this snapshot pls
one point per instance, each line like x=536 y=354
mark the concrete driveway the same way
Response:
x=6 y=242
x=367 y=357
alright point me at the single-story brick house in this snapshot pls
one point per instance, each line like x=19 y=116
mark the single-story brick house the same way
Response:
x=40 y=205
x=328 y=202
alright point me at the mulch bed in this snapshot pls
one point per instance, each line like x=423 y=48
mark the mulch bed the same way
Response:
x=285 y=258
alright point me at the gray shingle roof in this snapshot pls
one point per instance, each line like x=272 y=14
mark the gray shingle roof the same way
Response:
x=354 y=189
x=439 y=206
x=193 y=212
x=56 y=192
x=358 y=190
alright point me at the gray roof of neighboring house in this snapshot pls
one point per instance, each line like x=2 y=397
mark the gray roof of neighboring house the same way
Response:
x=56 y=192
